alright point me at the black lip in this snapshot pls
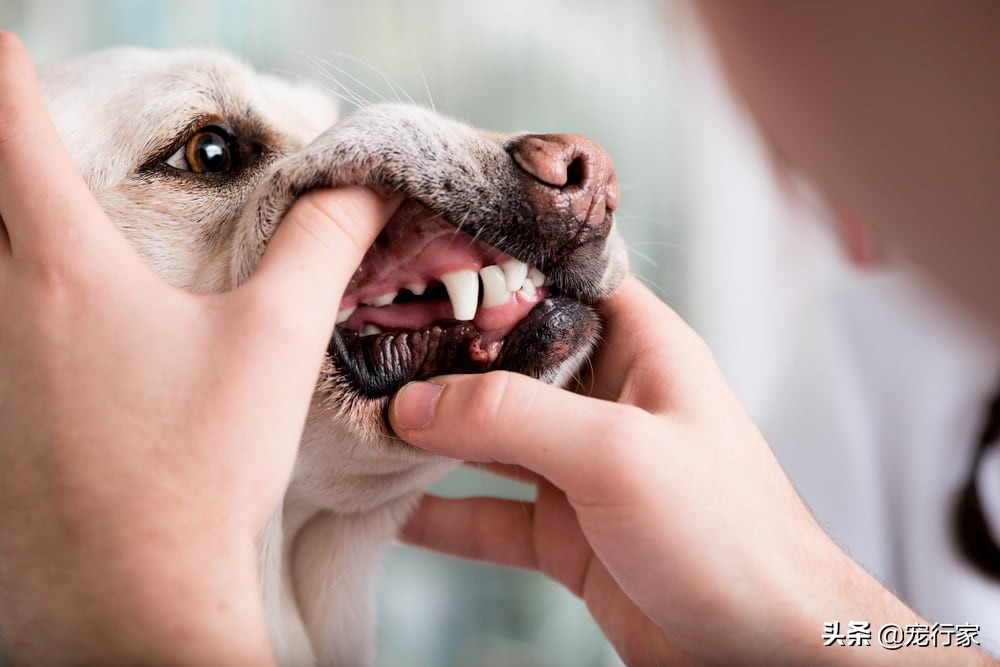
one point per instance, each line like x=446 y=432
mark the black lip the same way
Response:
x=378 y=366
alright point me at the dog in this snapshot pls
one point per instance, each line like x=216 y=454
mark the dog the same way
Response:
x=494 y=261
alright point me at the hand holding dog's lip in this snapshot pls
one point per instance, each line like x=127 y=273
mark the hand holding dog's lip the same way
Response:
x=121 y=420
x=541 y=248
x=658 y=502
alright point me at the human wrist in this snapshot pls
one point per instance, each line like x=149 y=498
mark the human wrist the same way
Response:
x=842 y=622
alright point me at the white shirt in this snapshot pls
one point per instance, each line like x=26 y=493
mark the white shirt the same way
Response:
x=876 y=423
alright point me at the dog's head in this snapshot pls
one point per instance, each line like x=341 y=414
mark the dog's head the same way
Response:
x=492 y=262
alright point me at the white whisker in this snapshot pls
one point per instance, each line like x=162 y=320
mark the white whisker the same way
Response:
x=655 y=287
x=427 y=89
x=330 y=71
x=644 y=256
x=394 y=85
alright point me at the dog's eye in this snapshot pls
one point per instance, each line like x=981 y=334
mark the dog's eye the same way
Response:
x=208 y=151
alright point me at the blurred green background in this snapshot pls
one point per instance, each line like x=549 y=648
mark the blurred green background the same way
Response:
x=605 y=69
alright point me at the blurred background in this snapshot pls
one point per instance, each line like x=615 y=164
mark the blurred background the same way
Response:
x=742 y=249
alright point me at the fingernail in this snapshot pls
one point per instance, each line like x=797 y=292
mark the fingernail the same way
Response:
x=413 y=408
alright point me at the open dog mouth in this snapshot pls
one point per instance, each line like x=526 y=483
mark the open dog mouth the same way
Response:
x=429 y=299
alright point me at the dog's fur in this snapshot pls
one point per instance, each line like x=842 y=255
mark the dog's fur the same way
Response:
x=121 y=112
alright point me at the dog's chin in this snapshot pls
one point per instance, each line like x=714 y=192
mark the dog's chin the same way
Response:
x=398 y=319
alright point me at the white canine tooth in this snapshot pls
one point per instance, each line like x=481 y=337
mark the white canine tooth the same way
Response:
x=463 y=291
x=380 y=300
x=536 y=276
x=417 y=288
x=528 y=289
x=371 y=330
x=495 y=292
x=514 y=271
x=345 y=314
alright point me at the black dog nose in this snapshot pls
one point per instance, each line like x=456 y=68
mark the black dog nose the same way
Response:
x=572 y=187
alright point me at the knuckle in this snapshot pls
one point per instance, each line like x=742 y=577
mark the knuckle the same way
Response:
x=489 y=398
x=262 y=320
x=53 y=280
x=697 y=349
x=621 y=453
x=626 y=436
x=50 y=300
x=623 y=427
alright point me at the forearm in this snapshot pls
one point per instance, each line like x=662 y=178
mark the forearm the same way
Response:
x=848 y=595
x=159 y=599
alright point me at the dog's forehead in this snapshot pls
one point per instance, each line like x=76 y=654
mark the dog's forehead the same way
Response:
x=116 y=107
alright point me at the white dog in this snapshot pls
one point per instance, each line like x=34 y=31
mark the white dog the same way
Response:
x=196 y=158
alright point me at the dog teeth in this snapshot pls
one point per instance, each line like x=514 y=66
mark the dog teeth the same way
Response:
x=537 y=277
x=499 y=284
x=495 y=292
x=345 y=314
x=463 y=292
x=514 y=271
x=380 y=300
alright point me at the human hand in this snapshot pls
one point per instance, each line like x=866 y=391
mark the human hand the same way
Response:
x=658 y=502
x=148 y=433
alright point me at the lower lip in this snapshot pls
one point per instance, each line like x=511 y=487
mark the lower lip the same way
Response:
x=379 y=365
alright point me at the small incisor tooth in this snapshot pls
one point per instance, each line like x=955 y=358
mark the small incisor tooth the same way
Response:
x=514 y=271
x=370 y=330
x=495 y=292
x=345 y=314
x=380 y=300
x=417 y=288
x=536 y=276
x=463 y=292
x=528 y=289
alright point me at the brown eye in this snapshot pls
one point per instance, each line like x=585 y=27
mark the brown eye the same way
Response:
x=209 y=151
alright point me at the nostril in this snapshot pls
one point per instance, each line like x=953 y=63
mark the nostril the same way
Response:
x=552 y=160
x=568 y=173
x=575 y=172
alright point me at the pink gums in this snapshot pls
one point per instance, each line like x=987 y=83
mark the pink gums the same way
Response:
x=417 y=246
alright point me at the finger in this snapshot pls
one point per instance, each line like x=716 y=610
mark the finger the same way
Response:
x=511 y=417
x=636 y=638
x=43 y=216
x=648 y=356
x=494 y=530
x=633 y=313
x=315 y=251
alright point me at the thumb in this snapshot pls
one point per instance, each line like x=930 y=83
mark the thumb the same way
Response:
x=45 y=205
x=572 y=440
x=317 y=248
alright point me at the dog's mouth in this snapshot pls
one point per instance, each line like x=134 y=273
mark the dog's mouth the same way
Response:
x=429 y=299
